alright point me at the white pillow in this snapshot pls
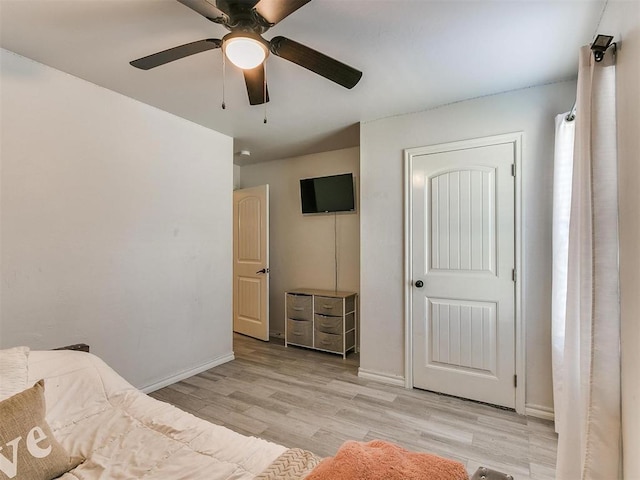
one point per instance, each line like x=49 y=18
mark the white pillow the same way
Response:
x=14 y=371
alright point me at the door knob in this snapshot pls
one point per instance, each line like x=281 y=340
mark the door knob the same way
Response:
x=419 y=283
x=264 y=270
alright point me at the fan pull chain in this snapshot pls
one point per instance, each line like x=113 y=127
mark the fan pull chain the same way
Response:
x=264 y=91
x=224 y=63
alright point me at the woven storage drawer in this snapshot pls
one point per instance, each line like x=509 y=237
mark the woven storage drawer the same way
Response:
x=299 y=307
x=328 y=324
x=300 y=332
x=328 y=341
x=333 y=343
x=328 y=306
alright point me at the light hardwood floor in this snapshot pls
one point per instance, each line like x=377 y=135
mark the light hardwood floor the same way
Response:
x=314 y=400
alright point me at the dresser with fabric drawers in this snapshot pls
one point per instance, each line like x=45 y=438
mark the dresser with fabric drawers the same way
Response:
x=321 y=319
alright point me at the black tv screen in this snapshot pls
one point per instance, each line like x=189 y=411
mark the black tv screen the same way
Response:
x=327 y=194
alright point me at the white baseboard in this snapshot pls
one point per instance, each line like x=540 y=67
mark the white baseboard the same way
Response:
x=387 y=378
x=188 y=373
x=538 y=411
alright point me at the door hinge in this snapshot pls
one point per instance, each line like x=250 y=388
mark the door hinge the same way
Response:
x=515 y=381
x=514 y=275
x=513 y=169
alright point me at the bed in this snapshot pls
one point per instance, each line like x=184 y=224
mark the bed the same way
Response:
x=110 y=430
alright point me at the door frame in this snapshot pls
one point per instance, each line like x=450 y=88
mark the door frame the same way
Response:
x=516 y=139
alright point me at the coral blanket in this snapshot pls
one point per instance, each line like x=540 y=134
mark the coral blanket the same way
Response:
x=379 y=460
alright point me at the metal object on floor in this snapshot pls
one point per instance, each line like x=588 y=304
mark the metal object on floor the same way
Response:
x=484 y=473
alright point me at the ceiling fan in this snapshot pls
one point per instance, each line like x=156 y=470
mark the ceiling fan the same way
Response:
x=245 y=47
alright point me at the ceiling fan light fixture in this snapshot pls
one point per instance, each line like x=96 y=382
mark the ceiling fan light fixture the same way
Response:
x=245 y=52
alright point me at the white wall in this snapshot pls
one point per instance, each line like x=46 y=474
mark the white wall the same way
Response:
x=622 y=19
x=116 y=226
x=381 y=279
x=302 y=246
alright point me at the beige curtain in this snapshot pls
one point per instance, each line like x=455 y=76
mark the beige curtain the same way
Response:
x=589 y=443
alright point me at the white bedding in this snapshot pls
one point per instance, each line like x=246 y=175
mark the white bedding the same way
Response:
x=125 y=434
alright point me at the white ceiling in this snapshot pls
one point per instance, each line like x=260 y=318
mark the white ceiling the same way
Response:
x=415 y=55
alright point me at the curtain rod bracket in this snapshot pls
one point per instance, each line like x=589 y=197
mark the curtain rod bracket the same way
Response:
x=600 y=46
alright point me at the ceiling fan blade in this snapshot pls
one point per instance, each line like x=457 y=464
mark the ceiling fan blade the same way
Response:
x=207 y=9
x=274 y=11
x=256 y=87
x=176 y=53
x=232 y=7
x=315 y=61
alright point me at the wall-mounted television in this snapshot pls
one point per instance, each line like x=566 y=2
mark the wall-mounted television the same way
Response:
x=334 y=193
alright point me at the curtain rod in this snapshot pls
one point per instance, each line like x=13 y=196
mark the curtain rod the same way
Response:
x=571 y=116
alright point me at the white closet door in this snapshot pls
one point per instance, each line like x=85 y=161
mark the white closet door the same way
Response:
x=463 y=254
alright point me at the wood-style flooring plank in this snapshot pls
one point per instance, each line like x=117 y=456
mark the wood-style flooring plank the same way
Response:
x=313 y=400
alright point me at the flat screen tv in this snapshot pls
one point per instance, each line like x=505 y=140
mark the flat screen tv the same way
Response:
x=327 y=194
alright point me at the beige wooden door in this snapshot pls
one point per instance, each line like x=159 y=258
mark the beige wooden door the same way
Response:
x=251 y=262
x=463 y=295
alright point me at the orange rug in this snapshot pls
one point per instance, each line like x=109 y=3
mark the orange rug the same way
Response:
x=380 y=460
